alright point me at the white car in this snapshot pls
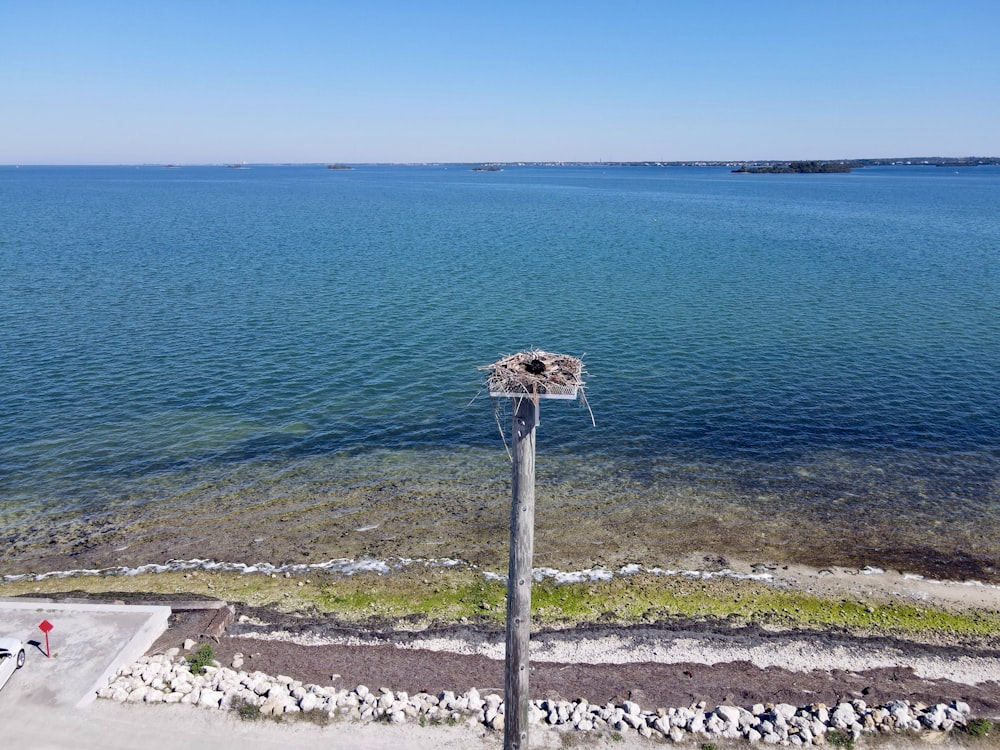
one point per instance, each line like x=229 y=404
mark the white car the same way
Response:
x=11 y=658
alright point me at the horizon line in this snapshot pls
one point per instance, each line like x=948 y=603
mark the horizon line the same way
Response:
x=505 y=162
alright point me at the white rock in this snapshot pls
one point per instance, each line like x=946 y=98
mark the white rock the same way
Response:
x=697 y=723
x=260 y=686
x=272 y=707
x=279 y=691
x=934 y=717
x=210 y=698
x=729 y=714
x=843 y=716
x=680 y=717
x=715 y=724
x=634 y=720
x=785 y=710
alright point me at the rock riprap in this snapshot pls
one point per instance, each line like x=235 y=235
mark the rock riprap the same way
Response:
x=167 y=678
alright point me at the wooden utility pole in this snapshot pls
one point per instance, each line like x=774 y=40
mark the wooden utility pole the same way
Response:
x=522 y=542
x=525 y=378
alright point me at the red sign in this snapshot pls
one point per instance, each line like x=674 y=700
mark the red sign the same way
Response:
x=45 y=626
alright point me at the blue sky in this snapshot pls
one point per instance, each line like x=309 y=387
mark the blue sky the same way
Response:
x=209 y=82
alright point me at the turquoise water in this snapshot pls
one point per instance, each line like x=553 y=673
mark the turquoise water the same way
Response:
x=802 y=352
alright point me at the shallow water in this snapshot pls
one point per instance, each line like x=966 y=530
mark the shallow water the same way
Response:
x=783 y=366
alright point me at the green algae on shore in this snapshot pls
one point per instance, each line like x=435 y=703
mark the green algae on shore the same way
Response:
x=415 y=599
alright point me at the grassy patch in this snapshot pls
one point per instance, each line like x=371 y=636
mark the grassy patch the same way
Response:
x=245 y=710
x=201 y=658
x=842 y=740
x=979 y=728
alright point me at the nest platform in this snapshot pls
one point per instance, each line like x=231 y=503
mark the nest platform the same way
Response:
x=536 y=373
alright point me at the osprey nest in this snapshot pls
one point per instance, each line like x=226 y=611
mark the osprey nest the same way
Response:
x=535 y=373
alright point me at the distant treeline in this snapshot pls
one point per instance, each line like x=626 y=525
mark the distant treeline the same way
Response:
x=816 y=167
x=800 y=167
x=936 y=161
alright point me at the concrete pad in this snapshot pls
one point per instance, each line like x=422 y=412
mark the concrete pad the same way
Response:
x=89 y=643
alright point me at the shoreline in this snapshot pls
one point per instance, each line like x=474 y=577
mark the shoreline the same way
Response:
x=417 y=596
x=867 y=581
x=288 y=535
x=709 y=657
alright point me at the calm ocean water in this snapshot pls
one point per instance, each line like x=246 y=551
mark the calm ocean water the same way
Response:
x=798 y=365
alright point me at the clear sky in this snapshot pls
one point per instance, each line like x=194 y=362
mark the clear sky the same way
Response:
x=204 y=81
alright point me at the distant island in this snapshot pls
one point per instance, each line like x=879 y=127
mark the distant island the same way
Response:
x=799 y=167
x=338 y=166
x=487 y=168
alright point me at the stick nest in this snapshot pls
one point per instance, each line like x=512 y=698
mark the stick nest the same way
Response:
x=535 y=372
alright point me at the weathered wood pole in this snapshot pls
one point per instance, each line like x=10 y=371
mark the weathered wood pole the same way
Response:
x=522 y=542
